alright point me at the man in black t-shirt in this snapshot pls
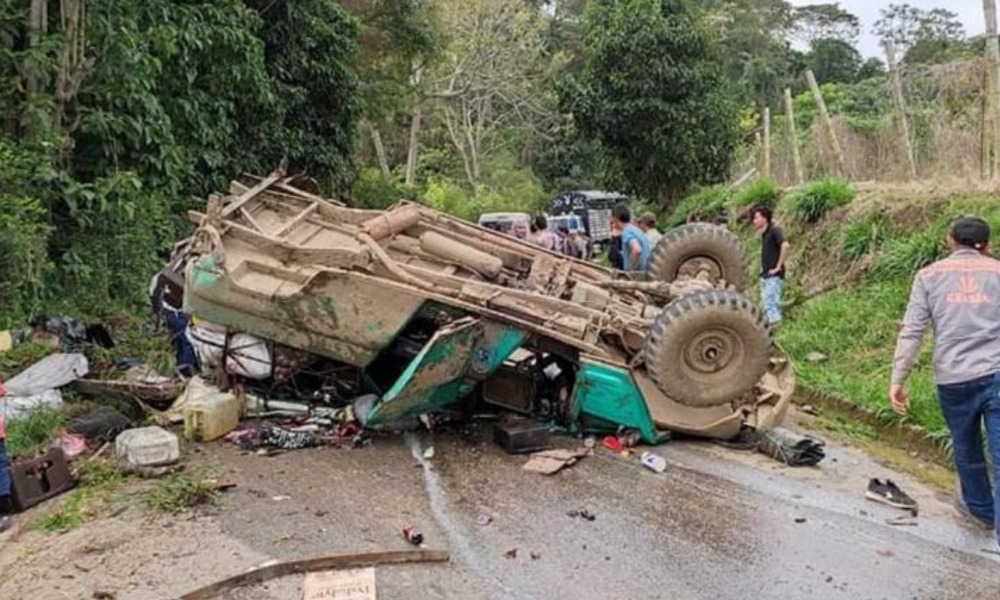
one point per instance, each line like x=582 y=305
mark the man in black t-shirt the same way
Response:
x=773 y=256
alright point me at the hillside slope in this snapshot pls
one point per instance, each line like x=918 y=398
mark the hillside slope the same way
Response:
x=855 y=253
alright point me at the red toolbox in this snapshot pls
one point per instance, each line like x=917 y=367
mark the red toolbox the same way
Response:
x=39 y=479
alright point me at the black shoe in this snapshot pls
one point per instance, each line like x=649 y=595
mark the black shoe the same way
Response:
x=5 y=523
x=889 y=493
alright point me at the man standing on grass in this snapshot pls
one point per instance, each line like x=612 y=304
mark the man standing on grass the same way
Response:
x=773 y=257
x=4 y=470
x=959 y=297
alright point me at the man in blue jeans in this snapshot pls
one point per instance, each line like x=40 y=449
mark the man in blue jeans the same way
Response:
x=774 y=249
x=959 y=297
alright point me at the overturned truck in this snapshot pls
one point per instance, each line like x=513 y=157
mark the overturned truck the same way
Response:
x=426 y=313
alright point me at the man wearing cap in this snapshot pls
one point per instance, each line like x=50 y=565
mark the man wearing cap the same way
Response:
x=959 y=298
x=647 y=223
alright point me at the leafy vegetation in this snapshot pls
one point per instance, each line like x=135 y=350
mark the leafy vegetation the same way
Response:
x=813 y=201
x=705 y=204
x=762 y=192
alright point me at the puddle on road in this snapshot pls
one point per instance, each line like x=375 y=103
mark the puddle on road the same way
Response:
x=458 y=543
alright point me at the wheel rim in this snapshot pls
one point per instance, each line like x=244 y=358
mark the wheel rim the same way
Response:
x=713 y=351
x=693 y=268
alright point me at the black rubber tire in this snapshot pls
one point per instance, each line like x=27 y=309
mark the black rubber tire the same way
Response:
x=708 y=244
x=708 y=348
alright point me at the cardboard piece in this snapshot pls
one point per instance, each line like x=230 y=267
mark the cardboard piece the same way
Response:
x=347 y=584
x=549 y=462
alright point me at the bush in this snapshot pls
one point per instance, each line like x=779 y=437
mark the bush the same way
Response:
x=705 y=204
x=810 y=203
x=862 y=237
x=374 y=190
x=763 y=192
x=906 y=256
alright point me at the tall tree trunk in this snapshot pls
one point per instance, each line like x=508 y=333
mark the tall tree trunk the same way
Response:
x=414 y=145
x=72 y=64
x=418 y=111
x=383 y=160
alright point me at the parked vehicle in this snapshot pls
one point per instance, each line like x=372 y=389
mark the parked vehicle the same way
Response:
x=505 y=222
x=593 y=208
x=422 y=313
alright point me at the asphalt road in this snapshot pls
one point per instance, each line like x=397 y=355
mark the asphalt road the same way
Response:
x=717 y=524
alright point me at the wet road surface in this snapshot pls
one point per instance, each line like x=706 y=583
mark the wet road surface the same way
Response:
x=718 y=524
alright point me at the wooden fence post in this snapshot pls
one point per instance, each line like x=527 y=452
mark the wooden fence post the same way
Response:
x=827 y=123
x=897 y=95
x=793 y=139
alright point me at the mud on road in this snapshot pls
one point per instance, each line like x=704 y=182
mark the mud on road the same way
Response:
x=717 y=524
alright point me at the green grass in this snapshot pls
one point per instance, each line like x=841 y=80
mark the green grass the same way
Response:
x=857 y=330
x=863 y=237
x=34 y=432
x=705 y=204
x=762 y=192
x=811 y=202
x=98 y=487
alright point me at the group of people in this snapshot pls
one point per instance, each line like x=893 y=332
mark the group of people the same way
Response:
x=958 y=299
x=632 y=243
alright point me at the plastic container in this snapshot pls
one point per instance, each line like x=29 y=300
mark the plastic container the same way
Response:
x=653 y=462
x=147 y=447
x=210 y=416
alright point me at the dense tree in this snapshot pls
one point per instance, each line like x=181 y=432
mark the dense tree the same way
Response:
x=665 y=119
x=833 y=61
x=921 y=36
x=816 y=22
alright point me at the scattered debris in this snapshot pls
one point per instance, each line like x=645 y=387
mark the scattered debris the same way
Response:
x=535 y=555
x=147 y=447
x=277 y=569
x=72 y=444
x=612 y=443
x=34 y=481
x=350 y=584
x=429 y=453
x=800 y=520
x=904 y=520
x=817 y=357
x=521 y=436
x=653 y=462
x=413 y=535
x=280 y=498
x=884 y=552
x=483 y=520
x=889 y=493
x=103 y=595
x=582 y=513
x=512 y=553
x=38 y=385
x=791 y=448
x=550 y=462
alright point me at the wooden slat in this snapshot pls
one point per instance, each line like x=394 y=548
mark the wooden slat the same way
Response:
x=298 y=219
x=250 y=194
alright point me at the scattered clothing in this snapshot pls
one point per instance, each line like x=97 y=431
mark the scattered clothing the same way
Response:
x=791 y=448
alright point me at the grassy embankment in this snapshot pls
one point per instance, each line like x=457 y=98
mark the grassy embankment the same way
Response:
x=854 y=257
